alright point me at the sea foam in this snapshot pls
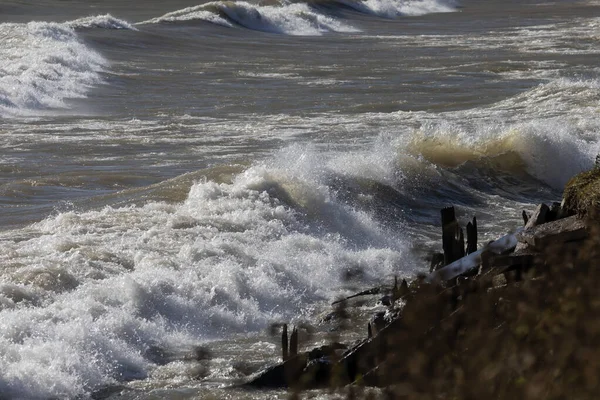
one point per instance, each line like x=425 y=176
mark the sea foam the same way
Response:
x=87 y=297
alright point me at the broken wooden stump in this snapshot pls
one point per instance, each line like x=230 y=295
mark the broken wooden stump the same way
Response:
x=451 y=234
x=311 y=369
x=437 y=262
x=284 y=344
x=472 y=236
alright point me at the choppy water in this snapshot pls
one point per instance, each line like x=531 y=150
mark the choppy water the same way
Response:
x=176 y=174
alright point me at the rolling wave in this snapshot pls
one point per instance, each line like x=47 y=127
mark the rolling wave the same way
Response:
x=396 y=8
x=298 y=18
x=88 y=295
x=106 y=21
x=292 y=19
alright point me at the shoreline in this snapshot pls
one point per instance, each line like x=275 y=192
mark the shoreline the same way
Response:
x=488 y=328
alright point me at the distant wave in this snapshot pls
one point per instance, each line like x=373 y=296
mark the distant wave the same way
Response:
x=300 y=18
x=291 y=19
x=106 y=21
x=395 y=8
x=42 y=64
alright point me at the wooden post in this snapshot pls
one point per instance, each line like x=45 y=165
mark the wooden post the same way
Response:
x=525 y=218
x=369 y=331
x=449 y=225
x=404 y=288
x=459 y=243
x=294 y=343
x=284 y=343
x=472 y=236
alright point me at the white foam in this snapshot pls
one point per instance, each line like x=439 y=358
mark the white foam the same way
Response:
x=42 y=65
x=231 y=258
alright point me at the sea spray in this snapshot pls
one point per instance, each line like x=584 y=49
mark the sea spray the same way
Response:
x=231 y=258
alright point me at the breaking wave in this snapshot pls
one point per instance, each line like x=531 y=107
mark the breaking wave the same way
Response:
x=291 y=19
x=397 y=8
x=106 y=21
x=88 y=295
x=298 y=18
x=42 y=65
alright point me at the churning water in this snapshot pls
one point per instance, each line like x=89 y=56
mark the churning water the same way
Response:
x=176 y=174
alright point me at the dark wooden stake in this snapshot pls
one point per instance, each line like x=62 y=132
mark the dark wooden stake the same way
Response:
x=284 y=343
x=294 y=343
x=437 y=262
x=449 y=226
x=404 y=288
x=369 y=331
x=459 y=243
x=472 y=236
x=525 y=217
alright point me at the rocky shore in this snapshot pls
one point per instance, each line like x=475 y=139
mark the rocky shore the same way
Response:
x=514 y=318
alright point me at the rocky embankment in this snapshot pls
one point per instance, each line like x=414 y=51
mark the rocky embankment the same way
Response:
x=515 y=318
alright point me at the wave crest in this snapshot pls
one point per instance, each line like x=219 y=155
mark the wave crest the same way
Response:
x=292 y=19
x=106 y=21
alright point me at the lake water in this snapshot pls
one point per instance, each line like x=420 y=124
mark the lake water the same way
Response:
x=175 y=174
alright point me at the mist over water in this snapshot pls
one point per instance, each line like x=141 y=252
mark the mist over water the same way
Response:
x=183 y=174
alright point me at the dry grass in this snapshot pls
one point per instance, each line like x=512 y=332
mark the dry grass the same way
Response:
x=582 y=192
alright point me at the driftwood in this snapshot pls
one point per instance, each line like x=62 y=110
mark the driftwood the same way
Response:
x=368 y=292
x=394 y=294
x=473 y=260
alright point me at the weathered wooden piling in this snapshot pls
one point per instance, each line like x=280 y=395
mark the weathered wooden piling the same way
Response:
x=472 y=236
x=294 y=343
x=449 y=227
x=437 y=262
x=284 y=344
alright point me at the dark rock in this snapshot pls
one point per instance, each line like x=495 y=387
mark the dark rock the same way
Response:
x=560 y=231
x=538 y=217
